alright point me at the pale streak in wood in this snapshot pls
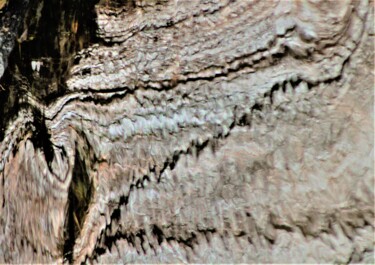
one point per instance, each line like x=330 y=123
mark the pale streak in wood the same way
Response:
x=295 y=185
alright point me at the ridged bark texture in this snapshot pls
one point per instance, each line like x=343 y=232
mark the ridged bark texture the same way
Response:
x=201 y=131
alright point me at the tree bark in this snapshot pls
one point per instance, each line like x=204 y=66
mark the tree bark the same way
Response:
x=199 y=131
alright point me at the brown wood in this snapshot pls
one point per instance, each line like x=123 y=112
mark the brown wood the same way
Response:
x=199 y=131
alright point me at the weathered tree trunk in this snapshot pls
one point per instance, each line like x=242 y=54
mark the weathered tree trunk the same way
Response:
x=197 y=131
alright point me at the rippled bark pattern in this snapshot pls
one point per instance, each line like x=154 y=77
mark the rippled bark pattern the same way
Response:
x=200 y=131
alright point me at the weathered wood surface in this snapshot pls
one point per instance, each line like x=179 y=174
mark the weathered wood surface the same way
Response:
x=200 y=131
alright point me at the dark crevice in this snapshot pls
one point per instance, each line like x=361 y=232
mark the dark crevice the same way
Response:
x=158 y=233
x=108 y=241
x=279 y=226
x=41 y=138
x=79 y=197
x=273 y=89
x=283 y=227
x=270 y=240
x=257 y=107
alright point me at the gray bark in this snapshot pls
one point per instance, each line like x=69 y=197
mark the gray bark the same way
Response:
x=200 y=131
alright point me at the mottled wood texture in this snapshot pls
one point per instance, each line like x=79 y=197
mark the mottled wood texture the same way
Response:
x=201 y=131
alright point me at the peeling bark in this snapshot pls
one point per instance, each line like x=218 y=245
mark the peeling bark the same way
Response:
x=188 y=131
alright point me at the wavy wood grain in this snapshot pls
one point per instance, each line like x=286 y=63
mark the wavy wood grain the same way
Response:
x=200 y=131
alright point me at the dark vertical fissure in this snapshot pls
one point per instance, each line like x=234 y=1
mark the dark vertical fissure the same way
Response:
x=80 y=194
x=41 y=137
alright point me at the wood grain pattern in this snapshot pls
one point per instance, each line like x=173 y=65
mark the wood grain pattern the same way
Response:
x=200 y=131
